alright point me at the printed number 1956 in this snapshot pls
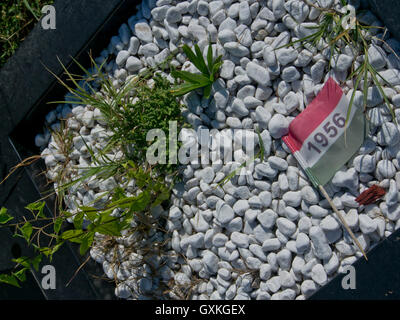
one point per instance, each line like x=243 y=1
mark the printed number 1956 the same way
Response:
x=330 y=130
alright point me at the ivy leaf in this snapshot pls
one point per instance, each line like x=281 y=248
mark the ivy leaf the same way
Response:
x=36 y=261
x=20 y=275
x=58 y=224
x=78 y=220
x=26 y=231
x=73 y=235
x=86 y=243
x=9 y=279
x=4 y=217
x=37 y=207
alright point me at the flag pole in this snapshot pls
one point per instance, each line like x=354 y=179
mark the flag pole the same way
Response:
x=323 y=191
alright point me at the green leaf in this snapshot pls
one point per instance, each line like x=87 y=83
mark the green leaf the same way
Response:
x=111 y=228
x=78 y=220
x=37 y=207
x=4 y=217
x=203 y=68
x=36 y=261
x=9 y=279
x=86 y=243
x=23 y=261
x=57 y=224
x=73 y=235
x=207 y=91
x=26 y=231
x=190 y=77
x=198 y=63
x=210 y=58
x=20 y=275
x=141 y=202
x=185 y=88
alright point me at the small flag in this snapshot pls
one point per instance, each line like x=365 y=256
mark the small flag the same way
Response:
x=317 y=136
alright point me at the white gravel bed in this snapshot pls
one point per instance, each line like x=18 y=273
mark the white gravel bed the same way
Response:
x=267 y=234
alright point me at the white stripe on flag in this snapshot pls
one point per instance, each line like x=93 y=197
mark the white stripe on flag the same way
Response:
x=327 y=133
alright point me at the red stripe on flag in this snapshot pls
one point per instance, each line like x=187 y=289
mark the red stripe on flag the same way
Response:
x=316 y=112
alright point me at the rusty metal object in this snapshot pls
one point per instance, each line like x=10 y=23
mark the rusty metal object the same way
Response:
x=371 y=195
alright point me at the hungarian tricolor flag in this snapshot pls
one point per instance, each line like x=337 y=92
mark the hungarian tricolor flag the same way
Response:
x=317 y=135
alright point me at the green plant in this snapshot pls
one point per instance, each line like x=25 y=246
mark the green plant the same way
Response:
x=331 y=30
x=17 y=19
x=209 y=71
x=129 y=112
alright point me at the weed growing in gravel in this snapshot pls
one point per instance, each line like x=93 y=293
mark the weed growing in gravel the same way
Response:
x=332 y=32
x=129 y=112
x=209 y=71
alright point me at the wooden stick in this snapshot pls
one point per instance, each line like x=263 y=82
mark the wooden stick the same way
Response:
x=323 y=191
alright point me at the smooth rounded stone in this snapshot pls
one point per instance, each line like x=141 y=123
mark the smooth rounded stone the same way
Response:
x=389 y=134
x=392 y=196
x=199 y=223
x=122 y=57
x=304 y=224
x=309 y=195
x=292 y=198
x=291 y=213
x=242 y=192
x=290 y=74
x=240 y=239
x=257 y=250
x=278 y=126
x=236 y=49
x=265 y=272
x=227 y=69
x=149 y=50
x=391 y=75
x=308 y=287
x=352 y=218
x=225 y=214
x=253 y=263
x=265 y=198
x=284 y=259
x=257 y=73
x=297 y=9
x=255 y=202
x=269 y=56
x=346 y=179
x=386 y=169
x=374 y=97
x=244 y=13
x=302 y=243
x=241 y=206
x=267 y=218
x=286 y=55
x=262 y=116
x=123 y=291
x=278 y=163
x=265 y=170
x=286 y=279
x=133 y=64
x=173 y=15
x=364 y=163
x=219 y=240
x=367 y=225
x=271 y=245
x=331 y=228
x=318 y=275
x=273 y=284
x=207 y=175
x=318 y=212
x=286 y=226
x=210 y=261
x=322 y=250
x=376 y=57
x=342 y=62
x=239 y=108
x=332 y=265
x=143 y=32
